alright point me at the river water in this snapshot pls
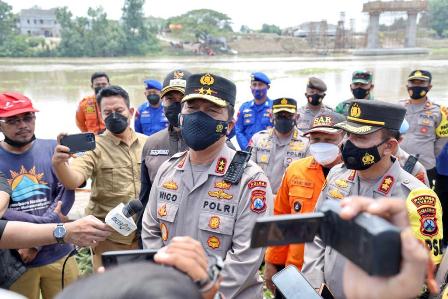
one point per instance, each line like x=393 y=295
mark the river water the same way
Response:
x=57 y=85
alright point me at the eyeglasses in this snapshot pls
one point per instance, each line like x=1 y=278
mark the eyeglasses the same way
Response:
x=16 y=121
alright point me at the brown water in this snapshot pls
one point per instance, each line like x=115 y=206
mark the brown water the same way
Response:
x=57 y=85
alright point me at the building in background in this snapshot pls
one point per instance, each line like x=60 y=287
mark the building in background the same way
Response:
x=39 y=22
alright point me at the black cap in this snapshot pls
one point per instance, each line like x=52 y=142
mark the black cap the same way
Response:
x=316 y=83
x=284 y=104
x=365 y=117
x=420 y=75
x=215 y=89
x=175 y=80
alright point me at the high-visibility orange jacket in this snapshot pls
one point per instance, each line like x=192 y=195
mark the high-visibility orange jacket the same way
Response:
x=298 y=193
x=88 y=116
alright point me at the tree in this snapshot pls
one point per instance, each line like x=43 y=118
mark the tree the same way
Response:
x=266 y=28
x=438 y=15
x=139 y=39
x=7 y=22
x=203 y=21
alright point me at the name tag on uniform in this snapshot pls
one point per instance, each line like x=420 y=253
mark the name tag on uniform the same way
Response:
x=159 y=152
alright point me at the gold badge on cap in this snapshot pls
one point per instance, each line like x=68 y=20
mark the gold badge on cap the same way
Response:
x=418 y=74
x=207 y=79
x=284 y=102
x=178 y=75
x=355 y=110
x=368 y=159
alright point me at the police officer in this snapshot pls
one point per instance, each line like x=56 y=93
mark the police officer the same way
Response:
x=190 y=196
x=274 y=149
x=427 y=127
x=361 y=88
x=300 y=188
x=255 y=115
x=165 y=143
x=150 y=118
x=315 y=93
x=370 y=170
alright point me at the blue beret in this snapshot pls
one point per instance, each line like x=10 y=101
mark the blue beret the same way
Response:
x=259 y=76
x=153 y=84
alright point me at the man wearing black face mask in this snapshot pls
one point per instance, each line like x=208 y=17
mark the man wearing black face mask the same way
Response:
x=113 y=166
x=165 y=143
x=315 y=93
x=370 y=170
x=88 y=115
x=274 y=149
x=361 y=88
x=149 y=118
x=191 y=197
x=426 y=135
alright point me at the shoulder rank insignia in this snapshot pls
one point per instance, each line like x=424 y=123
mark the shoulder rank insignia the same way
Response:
x=341 y=183
x=335 y=194
x=386 y=184
x=221 y=165
x=352 y=175
x=172 y=185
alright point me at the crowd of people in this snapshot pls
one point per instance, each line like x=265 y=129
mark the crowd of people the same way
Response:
x=175 y=153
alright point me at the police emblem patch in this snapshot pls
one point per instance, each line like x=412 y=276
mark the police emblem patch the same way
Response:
x=284 y=101
x=214 y=222
x=171 y=185
x=258 y=201
x=162 y=211
x=207 y=79
x=253 y=184
x=164 y=231
x=213 y=242
x=368 y=159
x=297 y=206
x=355 y=110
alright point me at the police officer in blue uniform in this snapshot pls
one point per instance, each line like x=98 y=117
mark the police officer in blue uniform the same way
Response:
x=255 y=115
x=150 y=118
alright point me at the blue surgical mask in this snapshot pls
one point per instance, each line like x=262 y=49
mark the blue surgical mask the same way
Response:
x=259 y=93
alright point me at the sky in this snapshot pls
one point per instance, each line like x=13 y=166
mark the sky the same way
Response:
x=283 y=13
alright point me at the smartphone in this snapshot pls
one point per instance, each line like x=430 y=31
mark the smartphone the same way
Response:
x=325 y=292
x=293 y=285
x=115 y=258
x=285 y=229
x=79 y=142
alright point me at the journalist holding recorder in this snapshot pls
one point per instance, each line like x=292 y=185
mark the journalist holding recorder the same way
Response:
x=113 y=166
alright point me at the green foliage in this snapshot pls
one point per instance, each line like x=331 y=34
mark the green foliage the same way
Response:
x=266 y=28
x=84 y=260
x=7 y=22
x=438 y=16
x=203 y=21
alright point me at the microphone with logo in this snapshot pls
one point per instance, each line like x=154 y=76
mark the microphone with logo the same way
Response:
x=120 y=217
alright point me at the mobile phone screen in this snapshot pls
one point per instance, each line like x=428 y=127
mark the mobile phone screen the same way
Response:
x=293 y=285
x=115 y=258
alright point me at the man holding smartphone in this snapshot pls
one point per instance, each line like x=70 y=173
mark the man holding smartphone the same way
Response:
x=191 y=194
x=113 y=166
x=37 y=195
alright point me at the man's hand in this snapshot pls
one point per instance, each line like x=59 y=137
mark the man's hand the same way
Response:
x=187 y=255
x=57 y=210
x=269 y=271
x=86 y=231
x=406 y=284
x=61 y=153
x=27 y=255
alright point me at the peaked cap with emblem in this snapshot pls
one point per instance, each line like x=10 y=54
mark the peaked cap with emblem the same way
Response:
x=175 y=80
x=324 y=123
x=284 y=104
x=365 y=117
x=420 y=75
x=212 y=88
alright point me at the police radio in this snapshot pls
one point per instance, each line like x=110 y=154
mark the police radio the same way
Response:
x=410 y=163
x=236 y=167
x=368 y=241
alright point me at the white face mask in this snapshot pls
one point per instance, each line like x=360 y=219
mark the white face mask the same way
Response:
x=324 y=153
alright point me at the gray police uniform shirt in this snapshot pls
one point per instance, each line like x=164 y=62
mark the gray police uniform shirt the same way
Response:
x=421 y=137
x=159 y=147
x=306 y=116
x=214 y=212
x=323 y=264
x=418 y=171
x=274 y=155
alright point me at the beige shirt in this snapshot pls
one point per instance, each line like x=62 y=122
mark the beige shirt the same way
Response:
x=114 y=168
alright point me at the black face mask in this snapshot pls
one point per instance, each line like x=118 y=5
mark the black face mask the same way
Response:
x=360 y=93
x=360 y=158
x=283 y=124
x=172 y=113
x=314 y=99
x=18 y=144
x=153 y=99
x=97 y=90
x=417 y=92
x=200 y=130
x=116 y=122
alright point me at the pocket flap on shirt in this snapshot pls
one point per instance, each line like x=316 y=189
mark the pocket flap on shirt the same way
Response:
x=300 y=191
x=166 y=211
x=216 y=223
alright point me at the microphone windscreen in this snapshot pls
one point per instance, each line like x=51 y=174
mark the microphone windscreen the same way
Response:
x=132 y=208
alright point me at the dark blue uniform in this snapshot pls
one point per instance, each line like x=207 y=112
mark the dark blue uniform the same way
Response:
x=150 y=120
x=252 y=118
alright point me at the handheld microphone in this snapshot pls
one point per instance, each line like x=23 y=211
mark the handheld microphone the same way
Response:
x=120 y=217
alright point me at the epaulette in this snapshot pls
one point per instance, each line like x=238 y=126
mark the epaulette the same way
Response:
x=177 y=155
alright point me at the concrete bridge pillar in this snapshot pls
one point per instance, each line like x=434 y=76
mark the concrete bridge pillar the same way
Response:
x=373 y=31
x=411 y=30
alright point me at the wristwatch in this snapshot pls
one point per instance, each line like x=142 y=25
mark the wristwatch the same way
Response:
x=59 y=233
x=215 y=265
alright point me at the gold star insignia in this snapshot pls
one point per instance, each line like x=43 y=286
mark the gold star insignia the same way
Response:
x=201 y=90
x=388 y=181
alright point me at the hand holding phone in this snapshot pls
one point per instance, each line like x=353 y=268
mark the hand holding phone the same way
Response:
x=115 y=258
x=293 y=285
x=79 y=142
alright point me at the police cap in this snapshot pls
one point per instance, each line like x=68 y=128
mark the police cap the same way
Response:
x=284 y=104
x=316 y=83
x=175 y=80
x=212 y=88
